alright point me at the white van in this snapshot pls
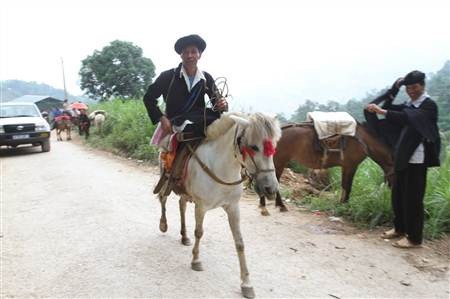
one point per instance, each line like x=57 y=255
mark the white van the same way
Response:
x=22 y=123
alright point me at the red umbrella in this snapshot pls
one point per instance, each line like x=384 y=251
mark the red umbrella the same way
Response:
x=79 y=106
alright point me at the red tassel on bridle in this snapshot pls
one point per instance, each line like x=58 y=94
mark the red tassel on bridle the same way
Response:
x=247 y=151
x=269 y=149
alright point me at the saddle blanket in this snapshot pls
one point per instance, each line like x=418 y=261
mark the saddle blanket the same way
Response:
x=328 y=124
x=62 y=117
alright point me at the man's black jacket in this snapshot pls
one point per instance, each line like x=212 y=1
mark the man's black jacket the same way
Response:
x=180 y=103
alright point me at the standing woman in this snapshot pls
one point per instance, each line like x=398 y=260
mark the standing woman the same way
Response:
x=416 y=148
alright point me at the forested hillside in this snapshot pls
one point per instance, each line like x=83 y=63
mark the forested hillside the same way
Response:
x=12 y=89
x=438 y=87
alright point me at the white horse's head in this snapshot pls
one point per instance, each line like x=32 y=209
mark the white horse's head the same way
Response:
x=256 y=138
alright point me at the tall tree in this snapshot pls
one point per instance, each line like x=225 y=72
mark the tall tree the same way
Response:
x=302 y=111
x=119 y=69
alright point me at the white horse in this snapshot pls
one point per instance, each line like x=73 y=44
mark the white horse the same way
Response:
x=98 y=116
x=99 y=120
x=233 y=142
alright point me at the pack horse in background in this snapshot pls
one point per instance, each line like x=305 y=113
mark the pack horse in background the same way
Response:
x=315 y=149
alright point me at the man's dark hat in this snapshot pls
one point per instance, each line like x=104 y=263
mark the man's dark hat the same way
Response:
x=190 y=40
x=414 y=77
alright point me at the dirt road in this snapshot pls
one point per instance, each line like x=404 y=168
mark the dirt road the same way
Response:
x=81 y=223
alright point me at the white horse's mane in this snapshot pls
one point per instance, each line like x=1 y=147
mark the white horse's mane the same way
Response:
x=222 y=125
x=261 y=126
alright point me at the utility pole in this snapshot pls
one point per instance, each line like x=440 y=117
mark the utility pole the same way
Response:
x=64 y=79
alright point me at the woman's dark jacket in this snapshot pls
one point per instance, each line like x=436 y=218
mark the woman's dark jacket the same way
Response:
x=412 y=126
x=180 y=103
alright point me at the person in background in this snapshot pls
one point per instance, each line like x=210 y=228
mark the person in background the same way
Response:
x=84 y=123
x=55 y=112
x=414 y=135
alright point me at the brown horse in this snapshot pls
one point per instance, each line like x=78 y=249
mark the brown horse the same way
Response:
x=299 y=143
x=63 y=124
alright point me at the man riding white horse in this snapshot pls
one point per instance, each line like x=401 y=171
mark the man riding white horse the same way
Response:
x=183 y=89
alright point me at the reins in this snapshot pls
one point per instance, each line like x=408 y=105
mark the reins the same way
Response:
x=210 y=173
x=246 y=175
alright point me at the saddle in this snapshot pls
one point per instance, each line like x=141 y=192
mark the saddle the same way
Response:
x=328 y=124
x=173 y=174
x=332 y=130
x=62 y=117
x=333 y=144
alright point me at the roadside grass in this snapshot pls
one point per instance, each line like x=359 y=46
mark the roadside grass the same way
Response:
x=127 y=130
x=437 y=200
x=370 y=201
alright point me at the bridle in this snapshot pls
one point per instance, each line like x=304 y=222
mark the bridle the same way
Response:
x=243 y=152
x=239 y=155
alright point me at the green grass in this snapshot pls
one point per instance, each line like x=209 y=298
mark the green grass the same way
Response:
x=437 y=200
x=370 y=200
x=127 y=130
x=297 y=167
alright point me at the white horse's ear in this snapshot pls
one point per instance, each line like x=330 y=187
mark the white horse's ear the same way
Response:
x=240 y=120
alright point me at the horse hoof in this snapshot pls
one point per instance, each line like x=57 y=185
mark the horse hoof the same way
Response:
x=197 y=266
x=265 y=212
x=248 y=292
x=163 y=226
x=186 y=241
x=283 y=209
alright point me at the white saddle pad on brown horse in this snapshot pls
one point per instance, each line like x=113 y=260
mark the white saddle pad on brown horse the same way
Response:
x=328 y=124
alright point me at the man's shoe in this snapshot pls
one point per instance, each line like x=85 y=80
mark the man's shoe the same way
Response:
x=391 y=234
x=405 y=243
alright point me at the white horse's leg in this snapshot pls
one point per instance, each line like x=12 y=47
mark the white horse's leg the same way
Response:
x=196 y=264
x=163 y=220
x=234 y=221
x=184 y=239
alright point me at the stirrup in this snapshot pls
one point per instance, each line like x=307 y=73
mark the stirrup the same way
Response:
x=162 y=181
x=168 y=187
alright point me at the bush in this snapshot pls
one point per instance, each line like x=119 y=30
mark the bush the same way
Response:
x=297 y=167
x=127 y=130
x=437 y=200
x=370 y=200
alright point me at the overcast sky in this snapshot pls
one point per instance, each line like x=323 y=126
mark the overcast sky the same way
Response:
x=275 y=54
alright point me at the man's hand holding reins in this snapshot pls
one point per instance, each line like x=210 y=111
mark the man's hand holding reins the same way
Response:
x=221 y=105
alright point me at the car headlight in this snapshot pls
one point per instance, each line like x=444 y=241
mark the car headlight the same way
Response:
x=2 y=130
x=42 y=127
